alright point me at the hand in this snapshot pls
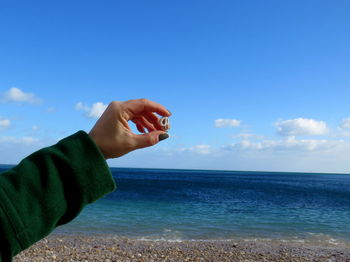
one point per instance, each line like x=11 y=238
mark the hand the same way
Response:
x=112 y=133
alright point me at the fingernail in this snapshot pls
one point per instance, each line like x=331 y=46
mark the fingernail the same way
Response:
x=169 y=112
x=163 y=136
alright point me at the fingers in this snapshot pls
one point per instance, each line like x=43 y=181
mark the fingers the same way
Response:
x=139 y=106
x=152 y=118
x=140 y=128
x=147 y=120
x=149 y=139
x=142 y=123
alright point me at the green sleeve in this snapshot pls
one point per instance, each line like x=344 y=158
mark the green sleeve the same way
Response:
x=49 y=188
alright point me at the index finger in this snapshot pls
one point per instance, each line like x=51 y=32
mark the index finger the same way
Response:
x=137 y=106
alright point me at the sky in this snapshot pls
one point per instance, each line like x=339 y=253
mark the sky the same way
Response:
x=252 y=85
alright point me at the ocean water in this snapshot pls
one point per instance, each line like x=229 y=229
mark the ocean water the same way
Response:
x=217 y=205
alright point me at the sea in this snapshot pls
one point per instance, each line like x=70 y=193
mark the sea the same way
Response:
x=177 y=205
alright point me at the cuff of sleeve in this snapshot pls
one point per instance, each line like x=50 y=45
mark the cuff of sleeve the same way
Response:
x=91 y=169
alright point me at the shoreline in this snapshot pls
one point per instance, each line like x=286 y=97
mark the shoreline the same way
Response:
x=102 y=248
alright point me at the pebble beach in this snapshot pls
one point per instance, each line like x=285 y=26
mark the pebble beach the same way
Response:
x=108 y=249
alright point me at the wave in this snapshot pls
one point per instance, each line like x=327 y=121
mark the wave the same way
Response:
x=310 y=239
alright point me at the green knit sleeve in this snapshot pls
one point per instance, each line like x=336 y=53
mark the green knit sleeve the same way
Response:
x=50 y=188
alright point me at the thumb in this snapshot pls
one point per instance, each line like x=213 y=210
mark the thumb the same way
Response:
x=149 y=139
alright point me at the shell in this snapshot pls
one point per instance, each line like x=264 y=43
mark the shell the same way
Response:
x=165 y=123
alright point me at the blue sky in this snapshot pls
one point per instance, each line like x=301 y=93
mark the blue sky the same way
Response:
x=252 y=85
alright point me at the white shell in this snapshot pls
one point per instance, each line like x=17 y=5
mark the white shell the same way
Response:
x=165 y=123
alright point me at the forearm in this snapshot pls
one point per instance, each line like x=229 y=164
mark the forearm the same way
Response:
x=50 y=188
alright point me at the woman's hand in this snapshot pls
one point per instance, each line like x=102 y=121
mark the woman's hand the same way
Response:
x=113 y=135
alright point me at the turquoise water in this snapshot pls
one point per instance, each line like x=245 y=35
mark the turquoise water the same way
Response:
x=183 y=204
x=207 y=205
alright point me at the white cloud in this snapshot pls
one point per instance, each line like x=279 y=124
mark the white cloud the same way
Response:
x=343 y=130
x=81 y=106
x=345 y=123
x=201 y=149
x=14 y=149
x=289 y=144
x=17 y=95
x=198 y=149
x=247 y=136
x=301 y=127
x=4 y=123
x=255 y=152
x=26 y=140
x=95 y=111
x=219 y=123
x=297 y=159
